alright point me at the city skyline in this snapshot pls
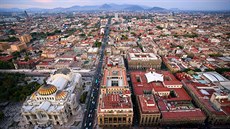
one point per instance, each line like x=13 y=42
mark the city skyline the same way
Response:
x=168 y=4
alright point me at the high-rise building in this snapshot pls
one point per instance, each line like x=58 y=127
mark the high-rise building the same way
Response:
x=55 y=101
x=27 y=16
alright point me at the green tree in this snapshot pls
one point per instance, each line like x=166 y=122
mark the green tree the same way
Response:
x=12 y=32
x=124 y=37
x=11 y=91
x=6 y=65
x=190 y=72
x=10 y=39
x=82 y=35
x=27 y=58
x=129 y=28
x=172 y=93
x=159 y=27
x=97 y=44
x=83 y=97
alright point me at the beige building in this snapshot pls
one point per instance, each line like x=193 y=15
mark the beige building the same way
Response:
x=53 y=103
x=18 y=47
x=25 y=38
x=144 y=61
x=114 y=80
x=4 y=46
x=115 y=108
x=49 y=53
x=148 y=110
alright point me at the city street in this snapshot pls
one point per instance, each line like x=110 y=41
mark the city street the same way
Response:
x=90 y=114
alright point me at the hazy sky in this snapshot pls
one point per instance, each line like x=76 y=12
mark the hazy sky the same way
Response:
x=181 y=4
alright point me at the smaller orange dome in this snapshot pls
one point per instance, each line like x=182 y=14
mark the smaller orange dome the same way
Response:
x=60 y=95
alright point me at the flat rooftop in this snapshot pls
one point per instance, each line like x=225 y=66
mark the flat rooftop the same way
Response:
x=148 y=104
x=114 y=76
x=115 y=101
x=143 y=56
x=185 y=115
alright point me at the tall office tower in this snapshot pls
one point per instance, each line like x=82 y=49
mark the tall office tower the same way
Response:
x=26 y=14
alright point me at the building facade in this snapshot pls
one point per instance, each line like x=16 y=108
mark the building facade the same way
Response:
x=18 y=47
x=148 y=110
x=115 y=108
x=143 y=61
x=114 y=80
x=25 y=38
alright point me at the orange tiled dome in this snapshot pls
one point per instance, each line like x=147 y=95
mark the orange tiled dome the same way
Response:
x=60 y=95
x=47 y=89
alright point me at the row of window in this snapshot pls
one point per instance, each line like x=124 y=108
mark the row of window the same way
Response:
x=149 y=120
x=45 y=98
x=173 y=86
x=33 y=116
x=115 y=120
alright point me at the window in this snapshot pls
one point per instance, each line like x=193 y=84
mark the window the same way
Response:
x=129 y=120
x=27 y=117
x=150 y=119
x=156 y=119
x=110 y=119
x=119 y=120
x=100 y=120
x=114 y=83
x=146 y=120
x=138 y=78
x=124 y=119
x=142 y=120
x=115 y=72
x=34 y=116
x=106 y=120
x=43 y=115
x=115 y=119
x=56 y=117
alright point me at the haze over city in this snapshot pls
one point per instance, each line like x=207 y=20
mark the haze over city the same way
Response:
x=180 y=4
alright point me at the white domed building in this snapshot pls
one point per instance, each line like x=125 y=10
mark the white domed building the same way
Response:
x=55 y=101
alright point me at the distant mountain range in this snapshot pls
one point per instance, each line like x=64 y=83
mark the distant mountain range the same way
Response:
x=108 y=7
